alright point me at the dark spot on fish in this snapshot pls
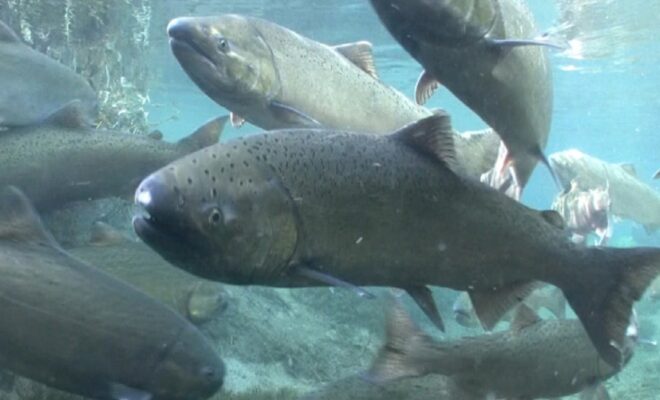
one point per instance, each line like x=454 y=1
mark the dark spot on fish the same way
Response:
x=194 y=161
x=206 y=172
x=246 y=164
x=231 y=165
x=190 y=181
x=231 y=179
x=228 y=155
x=213 y=178
x=214 y=156
x=214 y=193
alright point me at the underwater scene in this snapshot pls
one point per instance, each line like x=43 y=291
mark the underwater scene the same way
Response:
x=328 y=200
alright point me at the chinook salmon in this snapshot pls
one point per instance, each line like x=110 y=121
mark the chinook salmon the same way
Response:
x=70 y=326
x=34 y=85
x=61 y=160
x=630 y=197
x=316 y=207
x=482 y=52
x=534 y=359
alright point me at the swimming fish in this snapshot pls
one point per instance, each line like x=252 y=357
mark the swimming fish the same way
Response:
x=276 y=78
x=585 y=212
x=34 y=85
x=533 y=359
x=197 y=300
x=484 y=53
x=70 y=326
x=630 y=197
x=61 y=160
x=321 y=207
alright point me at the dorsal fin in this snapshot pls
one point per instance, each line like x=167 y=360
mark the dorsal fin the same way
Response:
x=19 y=221
x=554 y=218
x=103 y=234
x=629 y=168
x=7 y=34
x=425 y=87
x=523 y=318
x=206 y=135
x=155 y=135
x=71 y=115
x=433 y=136
x=361 y=54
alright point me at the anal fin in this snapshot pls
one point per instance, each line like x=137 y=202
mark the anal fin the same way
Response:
x=425 y=87
x=491 y=305
x=424 y=299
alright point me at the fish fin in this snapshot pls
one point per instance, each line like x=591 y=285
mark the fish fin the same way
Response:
x=553 y=218
x=595 y=392
x=19 y=220
x=71 y=115
x=403 y=339
x=424 y=299
x=236 y=120
x=543 y=40
x=361 y=54
x=103 y=234
x=123 y=392
x=425 y=87
x=432 y=136
x=538 y=152
x=606 y=283
x=491 y=305
x=206 y=135
x=523 y=318
x=629 y=168
x=657 y=174
x=318 y=276
x=7 y=34
x=292 y=116
x=156 y=135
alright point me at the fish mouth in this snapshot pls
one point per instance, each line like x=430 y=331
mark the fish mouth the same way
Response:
x=182 y=47
x=161 y=237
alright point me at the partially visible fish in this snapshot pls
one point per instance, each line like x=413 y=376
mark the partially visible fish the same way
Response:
x=485 y=53
x=550 y=298
x=631 y=198
x=34 y=85
x=321 y=207
x=197 y=300
x=657 y=174
x=585 y=212
x=70 y=326
x=533 y=359
x=61 y=160
x=501 y=176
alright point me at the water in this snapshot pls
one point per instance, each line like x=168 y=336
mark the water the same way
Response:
x=278 y=343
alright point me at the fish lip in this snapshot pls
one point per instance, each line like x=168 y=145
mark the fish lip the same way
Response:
x=157 y=234
x=182 y=45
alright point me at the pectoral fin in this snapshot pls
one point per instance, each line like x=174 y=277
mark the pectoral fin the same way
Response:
x=292 y=116
x=330 y=280
x=424 y=299
x=425 y=87
x=543 y=40
x=491 y=305
x=596 y=392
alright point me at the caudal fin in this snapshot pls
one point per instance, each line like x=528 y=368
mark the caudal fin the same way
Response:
x=602 y=292
x=403 y=339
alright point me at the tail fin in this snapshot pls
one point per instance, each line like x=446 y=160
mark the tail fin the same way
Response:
x=602 y=294
x=205 y=135
x=403 y=339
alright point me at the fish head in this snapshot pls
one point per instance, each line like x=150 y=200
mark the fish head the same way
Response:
x=568 y=166
x=438 y=22
x=221 y=214
x=226 y=56
x=189 y=369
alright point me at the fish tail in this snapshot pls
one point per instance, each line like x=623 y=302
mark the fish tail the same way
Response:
x=602 y=291
x=403 y=341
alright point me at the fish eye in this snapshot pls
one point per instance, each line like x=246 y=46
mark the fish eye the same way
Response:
x=223 y=44
x=215 y=216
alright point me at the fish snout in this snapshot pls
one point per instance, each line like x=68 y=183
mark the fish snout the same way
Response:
x=159 y=196
x=180 y=28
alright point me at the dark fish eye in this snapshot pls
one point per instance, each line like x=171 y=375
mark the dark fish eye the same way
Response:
x=215 y=216
x=223 y=44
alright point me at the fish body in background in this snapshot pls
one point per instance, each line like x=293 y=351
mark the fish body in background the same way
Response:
x=34 y=85
x=198 y=300
x=317 y=207
x=75 y=328
x=61 y=160
x=585 y=212
x=483 y=51
x=630 y=197
x=533 y=359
